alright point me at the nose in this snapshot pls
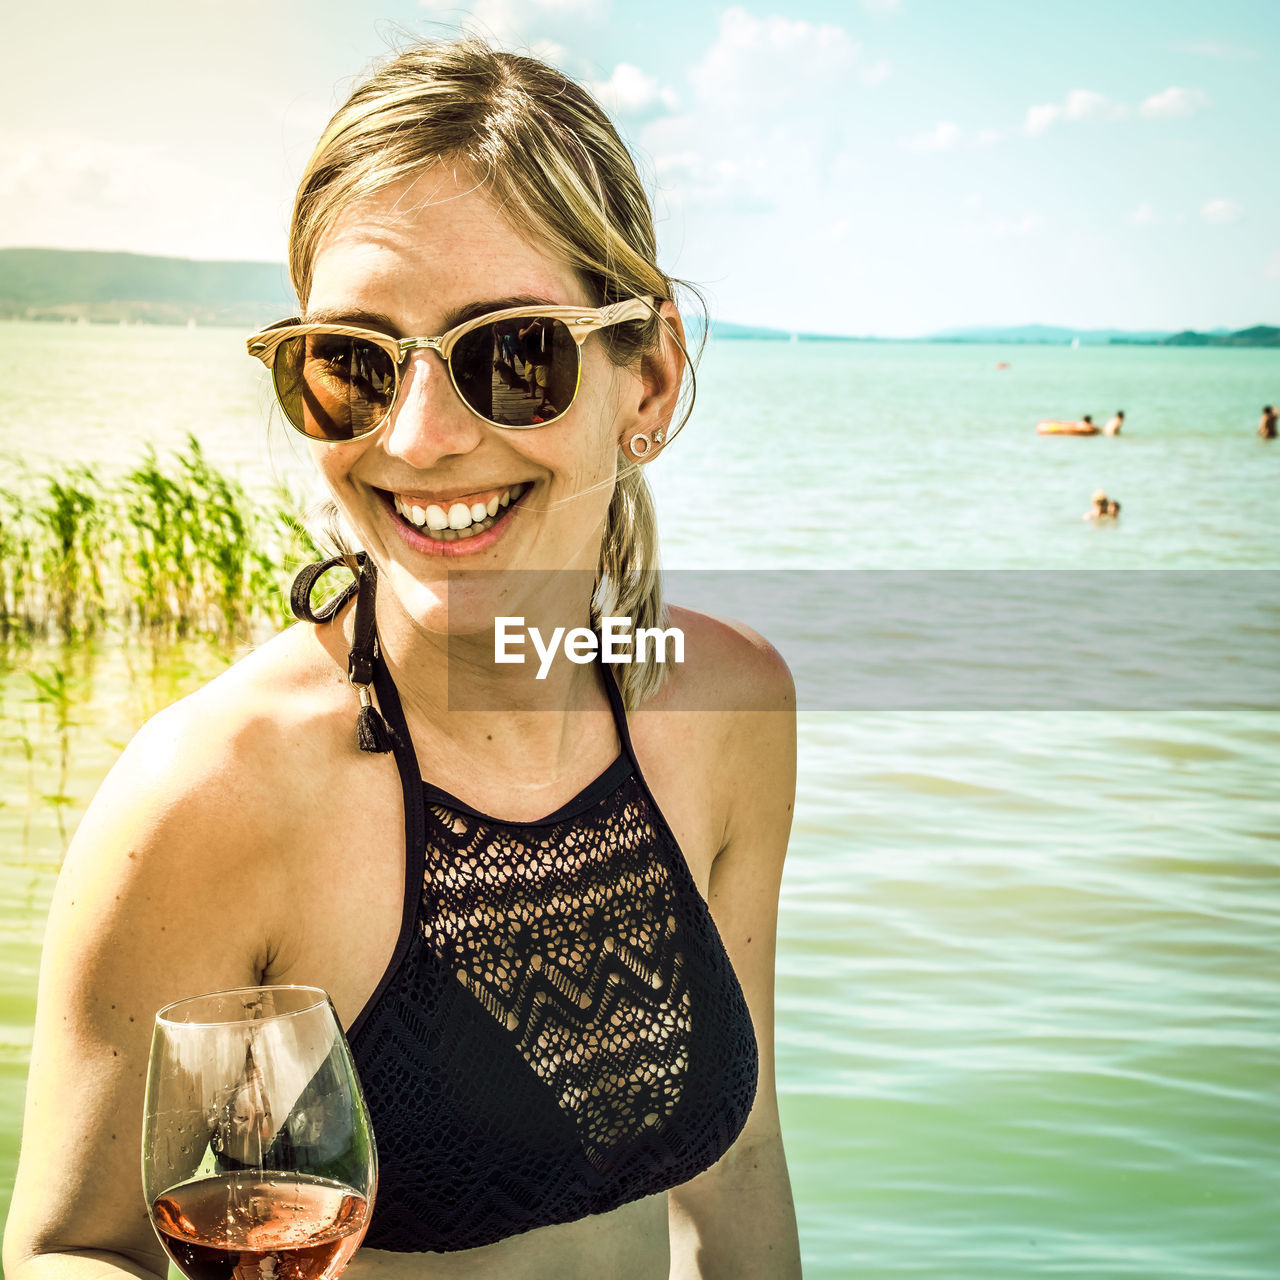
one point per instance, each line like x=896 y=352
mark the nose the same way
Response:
x=429 y=421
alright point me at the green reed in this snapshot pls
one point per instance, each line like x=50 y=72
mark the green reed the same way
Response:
x=171 y=547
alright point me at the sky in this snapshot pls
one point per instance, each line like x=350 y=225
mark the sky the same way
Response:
x=888 y=167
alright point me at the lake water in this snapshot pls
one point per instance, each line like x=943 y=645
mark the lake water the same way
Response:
x=1029 y=960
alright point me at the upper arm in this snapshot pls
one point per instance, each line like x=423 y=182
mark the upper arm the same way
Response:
x=746 y=875
x=149 y=908
x=737 y=1218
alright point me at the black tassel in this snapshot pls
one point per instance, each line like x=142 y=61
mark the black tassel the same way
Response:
x=371 y=729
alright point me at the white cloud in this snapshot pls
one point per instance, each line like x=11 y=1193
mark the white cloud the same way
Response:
x=521 y=24
x=1173 y=103
x=72 y=168
x=774 y=93
x=1272 y=270
x=1040 y=117
x=1079 y=105
x=1221 y=211
x=550 y=51
x=629 y=91
x=1143 y=216
x=944 y=136
x=1087 y=104
x=79 y=191
x=764 y=58
x=877 y=73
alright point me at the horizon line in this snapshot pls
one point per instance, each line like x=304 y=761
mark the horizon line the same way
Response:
x=944 y=332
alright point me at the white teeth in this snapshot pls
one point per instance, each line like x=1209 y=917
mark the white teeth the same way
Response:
x=460 y=520
x=408 y=511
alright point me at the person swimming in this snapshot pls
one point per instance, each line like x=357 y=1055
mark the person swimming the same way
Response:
x=1115 y=423
x=1103 y=508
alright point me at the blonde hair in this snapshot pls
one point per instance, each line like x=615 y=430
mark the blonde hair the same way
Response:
x=550 y=159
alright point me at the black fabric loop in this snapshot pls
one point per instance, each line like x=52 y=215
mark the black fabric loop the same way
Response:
x=304 y=584
x=372 y=733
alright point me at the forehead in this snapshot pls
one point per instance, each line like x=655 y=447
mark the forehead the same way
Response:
x=427 y=247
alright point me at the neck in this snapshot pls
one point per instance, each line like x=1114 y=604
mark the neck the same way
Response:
x=457 y=699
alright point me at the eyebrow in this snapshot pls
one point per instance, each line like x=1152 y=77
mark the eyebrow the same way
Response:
x=380 y=322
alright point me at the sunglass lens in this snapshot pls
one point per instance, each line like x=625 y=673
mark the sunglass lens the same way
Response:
x=332 y=387
x=517 y=373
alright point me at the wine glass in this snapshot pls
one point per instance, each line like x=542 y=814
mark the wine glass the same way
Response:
x=258 y=1160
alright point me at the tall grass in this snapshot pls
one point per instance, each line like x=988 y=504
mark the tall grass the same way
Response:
x=172 y=547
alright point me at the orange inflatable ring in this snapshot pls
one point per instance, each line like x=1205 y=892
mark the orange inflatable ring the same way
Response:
x=1052 y=428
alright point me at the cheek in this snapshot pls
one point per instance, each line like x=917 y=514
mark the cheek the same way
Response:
x=588 y=456
x=333 y=464
x=602 y=426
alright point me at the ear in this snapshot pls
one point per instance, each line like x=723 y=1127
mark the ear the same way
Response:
x=661 y=374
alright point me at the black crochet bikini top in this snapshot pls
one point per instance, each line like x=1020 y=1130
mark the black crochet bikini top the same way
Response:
x=559 y=1031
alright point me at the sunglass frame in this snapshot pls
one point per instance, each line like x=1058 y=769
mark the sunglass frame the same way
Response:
x=581 y=322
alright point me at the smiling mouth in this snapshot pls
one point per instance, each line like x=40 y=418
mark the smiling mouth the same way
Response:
x=455 y=521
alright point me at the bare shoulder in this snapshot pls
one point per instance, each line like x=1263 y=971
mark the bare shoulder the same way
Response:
x=719 y=740
x=206 y=785
x=734 y=673
x=218 y=756
x=728 y=666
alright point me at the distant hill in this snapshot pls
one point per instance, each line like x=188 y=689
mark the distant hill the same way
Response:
x=85 y=284
x=1055 y=335
x=71 y=284
x=1045 y=334
x=1260 y=335
x=726 y=329
x=74 y=284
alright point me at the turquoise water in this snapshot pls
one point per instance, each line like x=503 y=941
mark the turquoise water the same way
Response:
x=1028 y=990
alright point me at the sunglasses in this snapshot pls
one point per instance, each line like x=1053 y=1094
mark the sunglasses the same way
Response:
x=518 y=368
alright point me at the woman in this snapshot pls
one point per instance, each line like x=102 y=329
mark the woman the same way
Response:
x=244 y=837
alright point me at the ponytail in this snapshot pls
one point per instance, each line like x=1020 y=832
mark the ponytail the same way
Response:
x=628 y=581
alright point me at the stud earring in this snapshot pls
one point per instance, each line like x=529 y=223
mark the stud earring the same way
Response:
x=641 y=443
